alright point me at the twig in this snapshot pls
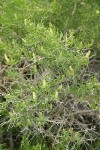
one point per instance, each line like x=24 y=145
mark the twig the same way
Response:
x=74 y=9
x=60 y=128
x=73 y=114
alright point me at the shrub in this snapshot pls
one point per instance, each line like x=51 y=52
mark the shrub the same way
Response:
x=50 y=98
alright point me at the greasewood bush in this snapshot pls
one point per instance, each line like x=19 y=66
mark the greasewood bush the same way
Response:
x=50 y=98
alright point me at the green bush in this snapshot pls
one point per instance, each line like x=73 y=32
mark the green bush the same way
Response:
x=49 y=97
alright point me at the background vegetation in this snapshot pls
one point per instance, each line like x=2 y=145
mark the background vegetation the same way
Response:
x=49 y=75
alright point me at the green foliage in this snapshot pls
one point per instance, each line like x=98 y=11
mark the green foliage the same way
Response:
x=68 y=138
x=84 y=17
x=49 y=97
x=26 y=145
x=95 y=146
